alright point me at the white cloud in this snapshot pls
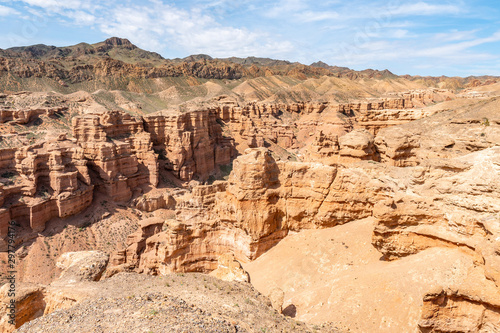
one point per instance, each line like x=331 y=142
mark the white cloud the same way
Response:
x=284 y=7
x=388 y=34
x=299 y=11
x=408 y=54
x=81 y=17
x=55 y=4
x=360 y=33
x=424 y=8
x=225 y=42
x=399 y=33
x=6 y=11
x=399 y=24
x=456 y=49
x=191 y=30
x=455 y=35
x=312 y=16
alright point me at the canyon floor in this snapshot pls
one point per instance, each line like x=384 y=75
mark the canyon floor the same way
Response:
x=244 y=195
x=332 y=271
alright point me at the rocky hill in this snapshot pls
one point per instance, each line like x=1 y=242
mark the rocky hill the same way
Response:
x=118 y=64
x=336 y=193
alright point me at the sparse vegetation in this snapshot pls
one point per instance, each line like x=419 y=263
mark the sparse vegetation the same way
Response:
x=226 y=170
x=9 y=175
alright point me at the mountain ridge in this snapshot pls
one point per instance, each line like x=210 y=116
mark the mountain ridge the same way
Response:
x=116 y=44
x=117 y=64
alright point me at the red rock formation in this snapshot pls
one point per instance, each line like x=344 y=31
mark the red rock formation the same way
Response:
x=258 y=122
x=262 y=200
x=357 y=145
x=52 y=179
x=119 y=150
x=151 y=202
x=44 y=181
x=437 y=208
x=264 y=124
x=25 y=116
x=229 y=269
x=29 y=304
x=453 y=311
x=324 y=147
x=192 y=142
x=397 y=147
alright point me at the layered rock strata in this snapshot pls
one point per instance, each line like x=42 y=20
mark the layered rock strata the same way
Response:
x=41 y=182
x=191 y=142
x=451 y=203
x=25 y=116
x=34 y=300
x=29 y=305
x=118 y=150
x=257 y=123
x=447 y=134
x=415 y=208
x=258 y=205
x=230 y=269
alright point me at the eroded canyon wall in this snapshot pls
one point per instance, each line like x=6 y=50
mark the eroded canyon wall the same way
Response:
x=111 y=152
x=260 y=203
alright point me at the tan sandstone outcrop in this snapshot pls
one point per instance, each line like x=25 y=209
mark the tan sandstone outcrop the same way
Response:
x=257 y=123
x=277 y=296
x=29 y=304
x=191 y=142
x=449 y=203
x=454 y=311
x=33 y=300
x=262 y=200
x=451 y=133
x=452 y=204
x=44 y=181
x=82 y=266
x=151 y=202
x=229 y=269
x=119 y=150
x=27 y=115
x=357 y=145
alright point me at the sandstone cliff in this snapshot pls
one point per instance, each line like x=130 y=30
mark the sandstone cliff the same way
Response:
x=42 y=182
x=191 y=142
x=118 y=150
x=260 y=203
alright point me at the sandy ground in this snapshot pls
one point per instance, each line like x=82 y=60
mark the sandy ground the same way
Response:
x=337 y=275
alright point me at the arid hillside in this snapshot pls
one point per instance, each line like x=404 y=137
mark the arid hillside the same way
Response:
x=338 y=195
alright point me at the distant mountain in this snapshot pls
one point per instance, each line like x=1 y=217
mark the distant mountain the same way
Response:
x=335 y=69
x=119 y=63
x=257 y=61
x=116 y=48
x=123 y=50
x=197 y=57
x=370 y=73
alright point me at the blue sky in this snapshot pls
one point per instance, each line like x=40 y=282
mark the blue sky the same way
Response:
x=407 y=37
